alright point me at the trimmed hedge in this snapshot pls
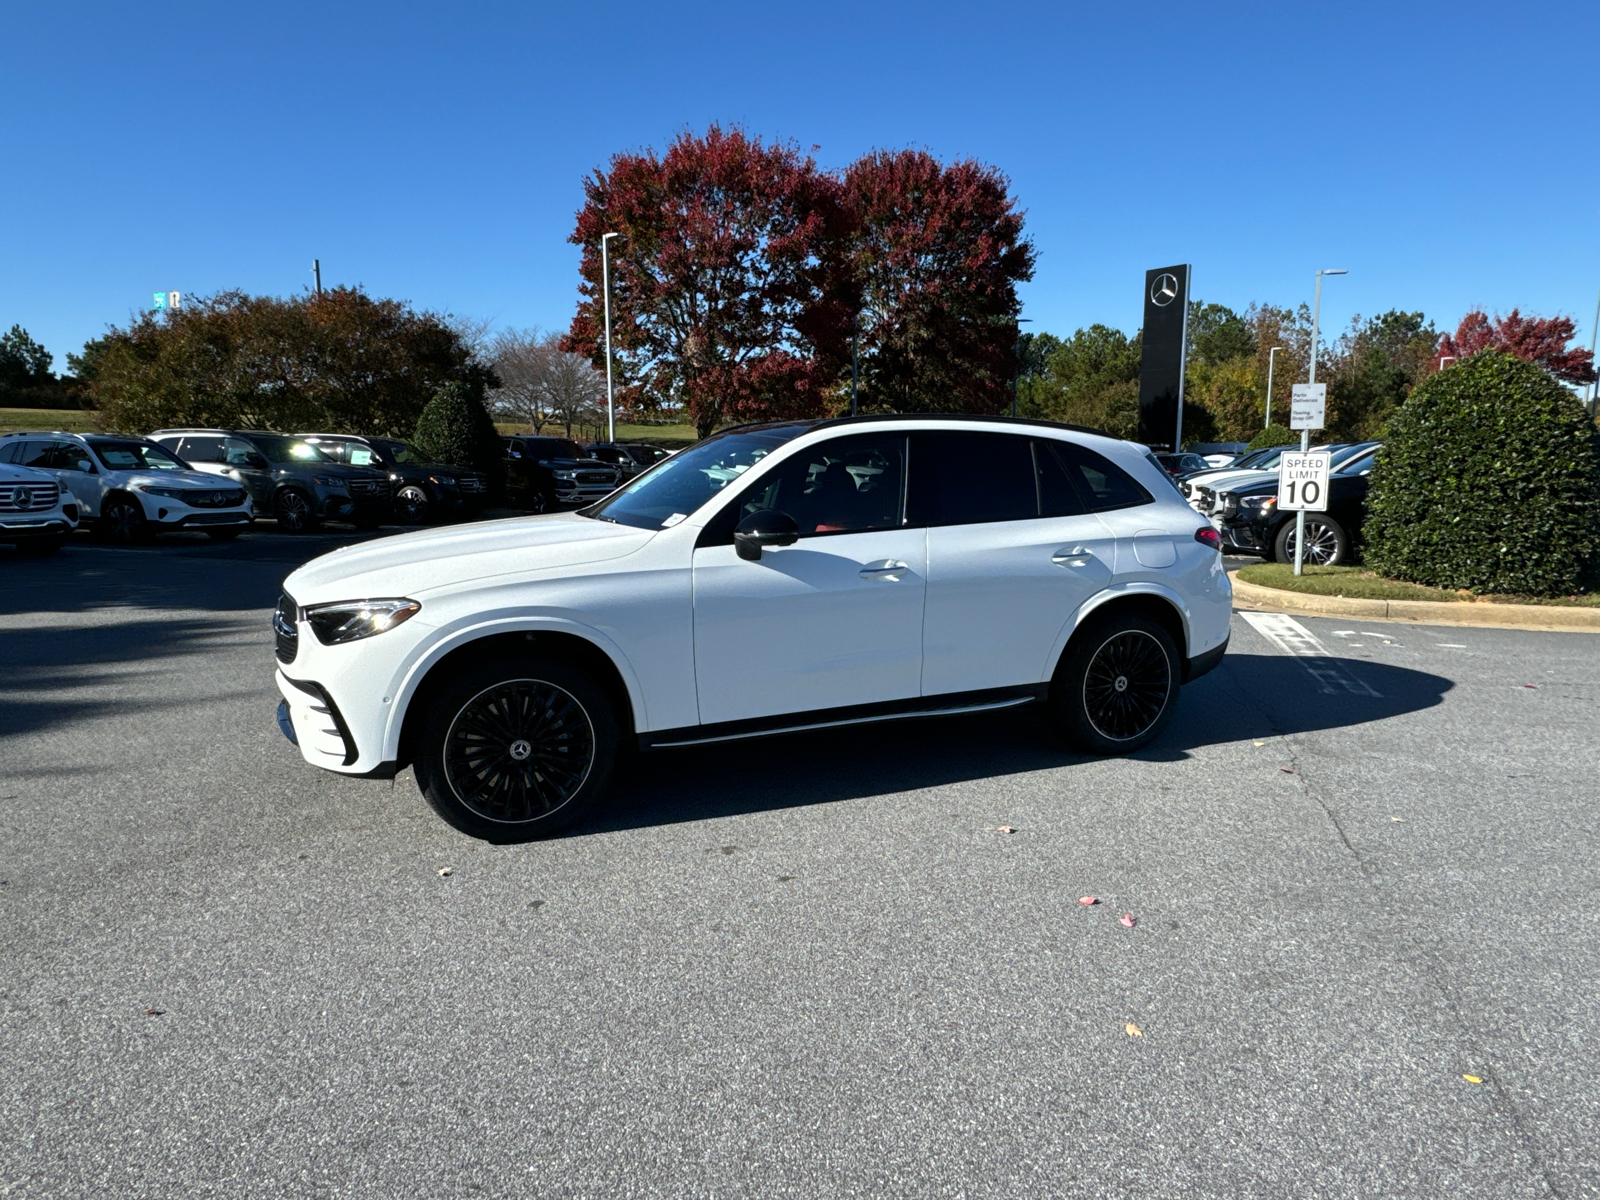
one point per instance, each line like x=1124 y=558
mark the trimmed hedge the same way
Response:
x=456 y=429
x=1488 y=479
x=1273 y=435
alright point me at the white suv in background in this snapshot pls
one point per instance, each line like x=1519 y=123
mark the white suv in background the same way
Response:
x=772 y=578
x=131 y=487
x=35 y=514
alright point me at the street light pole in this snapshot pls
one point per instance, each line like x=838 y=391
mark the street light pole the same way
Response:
x=1305 y=434
x=1594 y=340
x=605 y=283
x=1016 y=375
x=1271 y=354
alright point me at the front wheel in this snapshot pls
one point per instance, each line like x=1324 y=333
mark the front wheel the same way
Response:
x=1117 y=685
x=411 y=505
x=295 y=512
x=513 y=751
x=1327 y=544
x=122 y=521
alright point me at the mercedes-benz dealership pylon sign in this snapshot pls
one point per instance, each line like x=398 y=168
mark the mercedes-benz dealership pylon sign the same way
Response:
x=1166 y=327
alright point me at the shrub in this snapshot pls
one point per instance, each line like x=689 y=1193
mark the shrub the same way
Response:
x=455 y=428
x=1274 y=435
x=1490 y=480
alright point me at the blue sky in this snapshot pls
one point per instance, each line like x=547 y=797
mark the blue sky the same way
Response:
x=1444 y=154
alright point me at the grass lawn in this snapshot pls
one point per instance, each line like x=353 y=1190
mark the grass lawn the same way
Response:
x=1361 y=584
x=68 y=420
x=661 y=435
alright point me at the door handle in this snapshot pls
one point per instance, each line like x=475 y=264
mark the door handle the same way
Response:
x=888 y=570
x=1073 y=556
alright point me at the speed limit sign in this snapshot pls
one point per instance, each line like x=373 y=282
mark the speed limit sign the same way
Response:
x=1303 y=481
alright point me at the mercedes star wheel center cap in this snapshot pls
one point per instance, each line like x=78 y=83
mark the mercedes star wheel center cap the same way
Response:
x=1164 y=290
x=1121 y=685
x=521 y=748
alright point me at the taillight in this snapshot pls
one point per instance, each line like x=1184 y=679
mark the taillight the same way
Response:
x=1207 y=536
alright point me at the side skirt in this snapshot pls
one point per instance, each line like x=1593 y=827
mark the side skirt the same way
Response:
x=947 y=705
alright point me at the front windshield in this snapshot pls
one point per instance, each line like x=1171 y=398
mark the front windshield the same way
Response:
x=136 y=456
x=288 y=450
x=404 y=452
x=1340 y=457
x=676 y=486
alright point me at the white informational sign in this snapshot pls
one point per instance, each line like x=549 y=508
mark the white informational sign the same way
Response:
x=1303 y=481
x=1308 y=406
x=173 y=298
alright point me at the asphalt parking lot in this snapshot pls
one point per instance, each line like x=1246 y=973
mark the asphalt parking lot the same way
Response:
x=1361 y=868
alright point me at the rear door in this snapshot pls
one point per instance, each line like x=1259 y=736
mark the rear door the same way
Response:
x=1012 y=553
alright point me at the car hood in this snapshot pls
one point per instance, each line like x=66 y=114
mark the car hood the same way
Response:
x=413 y=564
x=1236 y=480
x=176 y=479
x=11 y=474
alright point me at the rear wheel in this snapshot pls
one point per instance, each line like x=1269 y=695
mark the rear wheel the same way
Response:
x=1117 y=685
x=513 y=751
x=295 y=512
x=1327 y=545
x=122 y=521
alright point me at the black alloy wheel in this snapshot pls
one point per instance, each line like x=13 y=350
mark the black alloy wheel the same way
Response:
x=1326 y=542
x=1117 y=684
x=294 y=511
x=411 y=505
x=513 y=751
x=122 y=521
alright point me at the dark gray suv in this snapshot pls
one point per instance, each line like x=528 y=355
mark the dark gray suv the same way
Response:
x=288 y=478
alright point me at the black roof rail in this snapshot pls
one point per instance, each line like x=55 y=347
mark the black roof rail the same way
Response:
x=977 y=418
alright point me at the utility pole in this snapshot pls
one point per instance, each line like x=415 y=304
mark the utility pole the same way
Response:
x=605 y=283
x=1271 y=354
x=316 y=273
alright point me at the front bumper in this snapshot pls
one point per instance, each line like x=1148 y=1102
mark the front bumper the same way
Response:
x=311 y=720
x=234 y=518
x=581 y=495
x=20 y=528
x=1240 y=536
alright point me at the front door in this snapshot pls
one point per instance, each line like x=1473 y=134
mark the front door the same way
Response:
x=833 y=620
x=243 y=462
x=1013 y=552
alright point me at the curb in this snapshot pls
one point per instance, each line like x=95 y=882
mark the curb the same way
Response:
x=1549 y=619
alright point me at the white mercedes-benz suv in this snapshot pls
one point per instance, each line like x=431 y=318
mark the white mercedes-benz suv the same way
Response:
x=771 y=578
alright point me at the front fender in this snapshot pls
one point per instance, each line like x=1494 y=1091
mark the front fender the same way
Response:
x=428 y=654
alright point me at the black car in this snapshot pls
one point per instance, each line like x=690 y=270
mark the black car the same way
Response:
x=631 y=458
x=544 y=474
x=1179 y=465
x=424 y=490
x=1253 y=524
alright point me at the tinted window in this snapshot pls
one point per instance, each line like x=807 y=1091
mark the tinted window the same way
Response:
x=1105 y=485
x=403 y=452
x=34 y=454
x=845 y=485
x=547 y=447
x=1058 y=495
x=237 y=452
x=199 y=449
x=137 y=456
x=973 y=478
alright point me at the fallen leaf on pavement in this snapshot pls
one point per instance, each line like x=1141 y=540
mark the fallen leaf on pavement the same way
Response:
x=1133 y=1030
x=155 y=1012
x=443 y=871
x=1261 y=743
x=1532 y=687
x=1007 y=828
x=1472 y=1079
x=1287 y=770
x=1127 y=919
x=1402 y=820
x=1088 y=899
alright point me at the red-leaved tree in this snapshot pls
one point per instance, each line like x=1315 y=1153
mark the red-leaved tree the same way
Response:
x=1541 y=340
x=724 y=283
x=936 y=254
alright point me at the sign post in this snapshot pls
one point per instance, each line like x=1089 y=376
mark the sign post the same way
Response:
x=1308 y=410
x=1165 y=334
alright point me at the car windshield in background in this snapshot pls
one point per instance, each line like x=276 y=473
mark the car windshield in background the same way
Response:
x=404 y=452
x=137 y=456
x=676 y=486
x=289 y=450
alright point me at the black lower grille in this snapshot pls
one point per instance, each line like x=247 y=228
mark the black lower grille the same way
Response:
x=228 y=498
x=286 y=628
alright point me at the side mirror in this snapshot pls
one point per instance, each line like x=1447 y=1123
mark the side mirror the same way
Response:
x=769 y=527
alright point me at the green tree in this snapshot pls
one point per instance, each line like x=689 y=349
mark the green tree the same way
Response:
x=1091 y=378
x=337 y=362
x=1372 y=368
x=1217 y=334
x=24 y=363
x=85 y=367
x=455 y=428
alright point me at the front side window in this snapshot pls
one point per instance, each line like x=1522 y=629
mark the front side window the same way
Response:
x=138 y=456
x=844 y=485
x=403 y=452
x=962 y=478
x=287 y=450
x=677 y=486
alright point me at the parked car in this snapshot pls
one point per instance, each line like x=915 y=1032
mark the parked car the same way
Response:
x=630 y=458
x=1208 y=486
x=131 y=487
x=424 y=490
x=36 y=513
x=1218 y=454
x=544 y=474
x=287 y=477
x=1250 y=521
x=1180 y=465
x=772 y=578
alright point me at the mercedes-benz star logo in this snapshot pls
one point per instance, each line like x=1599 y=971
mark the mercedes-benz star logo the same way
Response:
x=1164 y=290
x=521 y=749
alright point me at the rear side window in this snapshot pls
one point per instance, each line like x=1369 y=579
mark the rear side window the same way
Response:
x=961 y=478
x=1105 y=486
x=198 y=449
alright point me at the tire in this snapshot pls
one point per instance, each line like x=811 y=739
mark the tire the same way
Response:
x=122 y=522
x=1117 y=685
x=1327 y=544
x=222 y=535
x=39 y=547
x=539 y=503
x=295 y=511
x=411 y=505
x=506 y=719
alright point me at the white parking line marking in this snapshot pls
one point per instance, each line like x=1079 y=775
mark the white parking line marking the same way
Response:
x=1450 y=645
x=1294 y=639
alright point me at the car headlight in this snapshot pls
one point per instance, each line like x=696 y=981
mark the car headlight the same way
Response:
x=565 y=475
x=1262 y=504
x=446 y=480
x=352 y=620
x=169 y=493
x=329 y=481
